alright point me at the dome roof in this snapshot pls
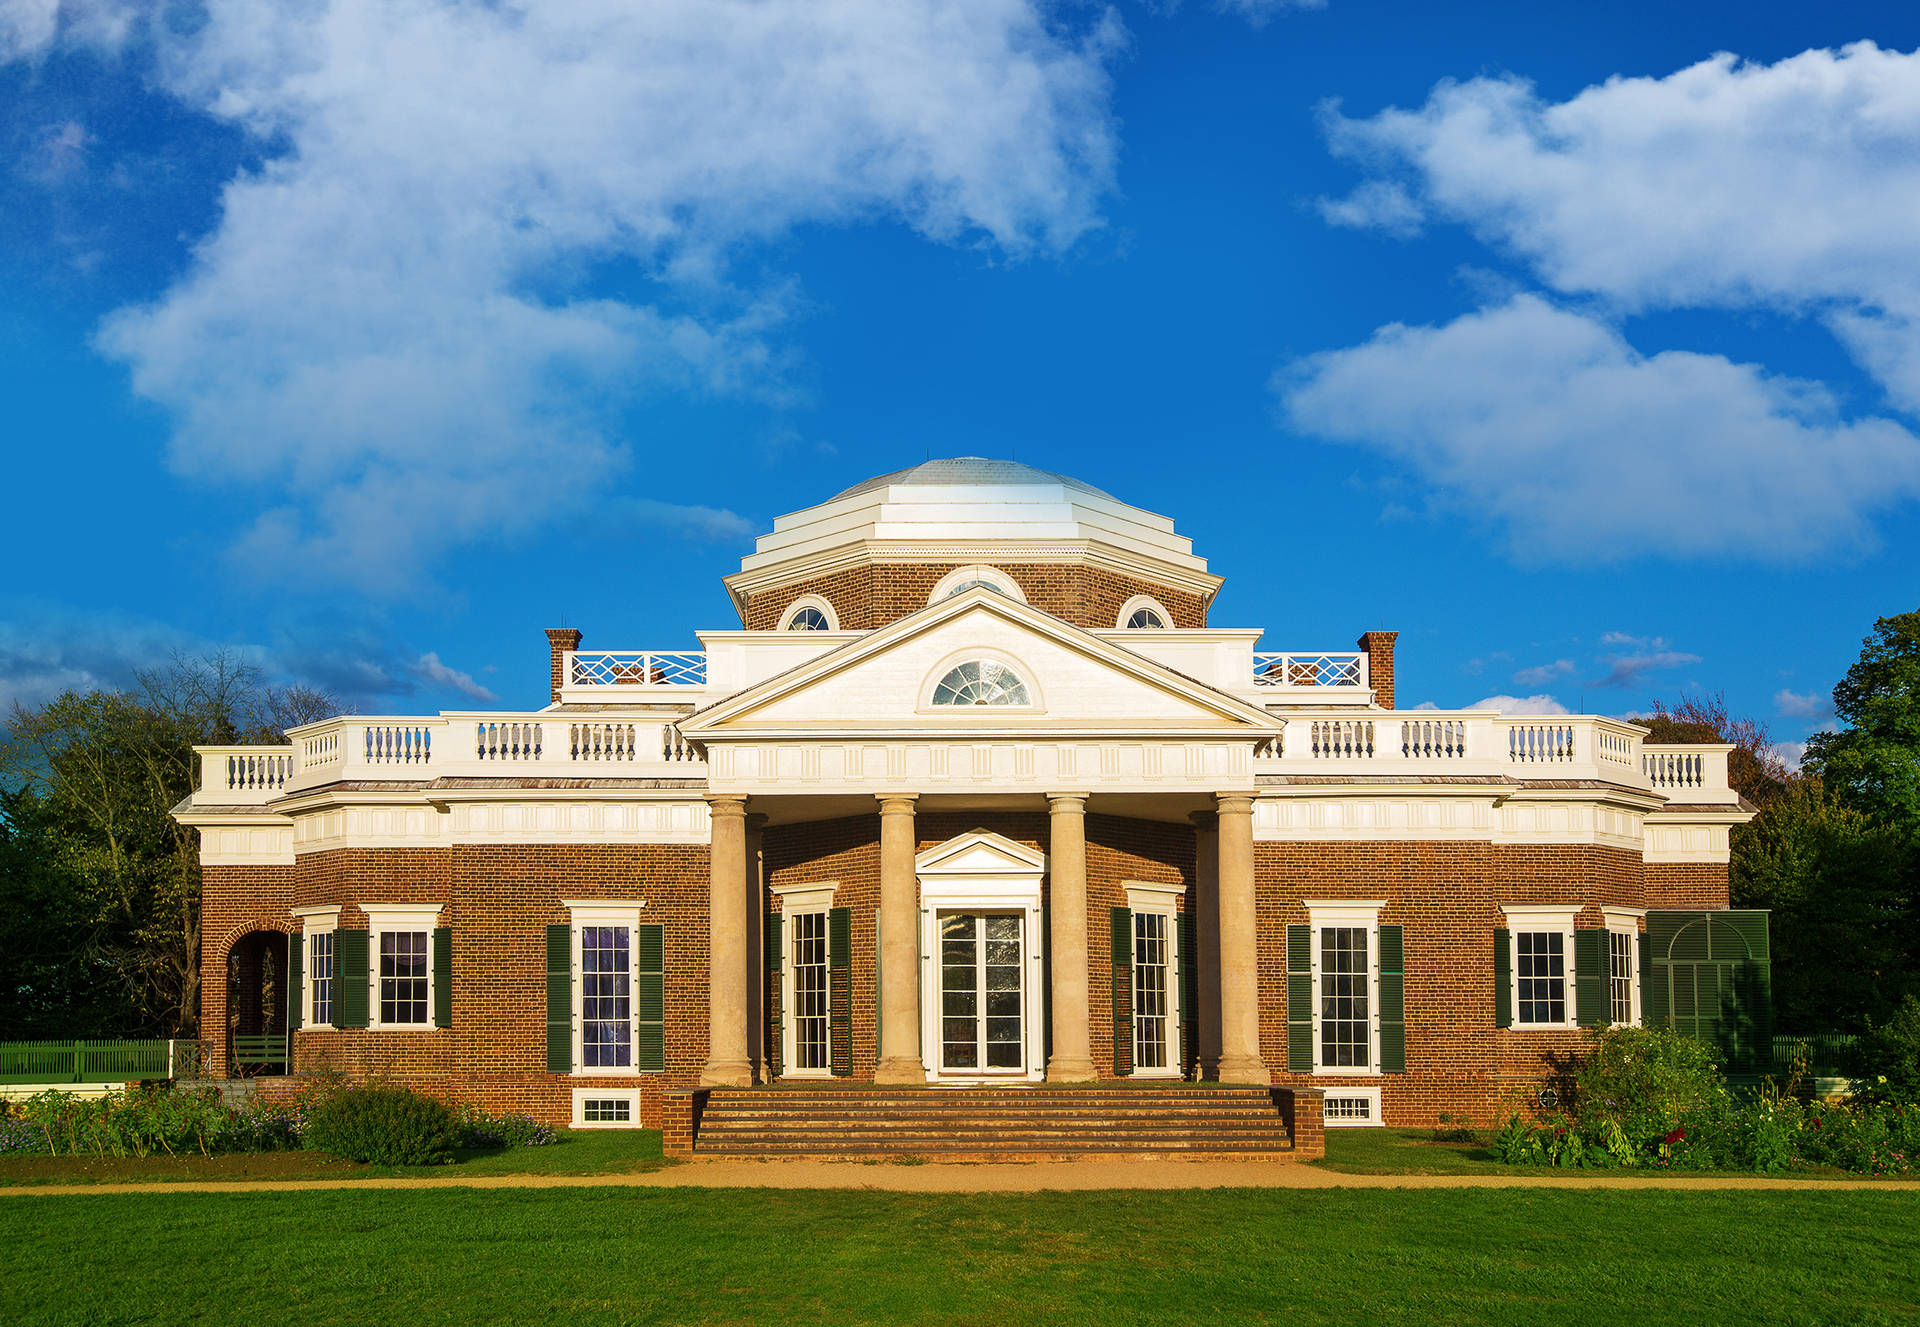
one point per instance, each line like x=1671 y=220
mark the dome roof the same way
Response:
x=969 y=471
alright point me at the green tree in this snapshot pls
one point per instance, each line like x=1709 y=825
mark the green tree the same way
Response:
x=1874 y=763
x=92 y=848
x=1753 y=769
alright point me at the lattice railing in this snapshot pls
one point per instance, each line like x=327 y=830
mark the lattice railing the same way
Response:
x=645 y=668
x=1309 y=670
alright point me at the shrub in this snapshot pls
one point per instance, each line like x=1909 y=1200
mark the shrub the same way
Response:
x=1645 y=1081
x=142 y=1122
x=385 y=1126
x=481 y=1129
x=1887 y=1056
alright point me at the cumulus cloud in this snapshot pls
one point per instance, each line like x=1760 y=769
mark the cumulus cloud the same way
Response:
x=1790 y=754
x=1544 y=674
x=1729 y=184
x=1261 y=12
x=1537 y=704
x=1548 y=425
x=1375 y=205
x=391 y=324
x=1795 y=706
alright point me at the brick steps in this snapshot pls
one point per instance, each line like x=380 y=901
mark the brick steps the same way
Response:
x=995 y=1123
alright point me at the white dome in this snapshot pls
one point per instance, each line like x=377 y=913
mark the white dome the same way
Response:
x=968 y=472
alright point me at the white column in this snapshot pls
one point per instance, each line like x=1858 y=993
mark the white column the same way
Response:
x=900 y=1061
x=727 y=1062
x=1072 y=1057
x=1240 y=1060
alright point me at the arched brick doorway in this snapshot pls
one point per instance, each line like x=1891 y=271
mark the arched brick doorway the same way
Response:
x=258 y=989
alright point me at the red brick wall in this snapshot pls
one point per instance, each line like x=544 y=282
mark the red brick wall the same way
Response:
x=1684 y=885
x=872 y=596
x=1448 y=897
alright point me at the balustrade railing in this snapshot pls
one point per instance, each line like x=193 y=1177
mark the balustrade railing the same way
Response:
x=1309 y=670
x=1540 y=743
x=253 y=771
x=1342 y=739
x=651 y=668
x=1433 y=739
x=1674 y=769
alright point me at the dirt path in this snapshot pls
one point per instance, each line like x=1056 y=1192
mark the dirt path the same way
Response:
x=936 y=1178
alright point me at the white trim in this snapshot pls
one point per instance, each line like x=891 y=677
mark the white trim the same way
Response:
x=313 y=922
x=812 y=896
x=1624 y=917
x=982 y=872
x=1148 y=896
x=1625 y=921
x=1371 y=1095
x=388 y=918
x=1357 y=914
x=806 y=601
x=630 y=1095
x=977 y=571
x=604 y=912
x=1134 y=605
x=1542 y=919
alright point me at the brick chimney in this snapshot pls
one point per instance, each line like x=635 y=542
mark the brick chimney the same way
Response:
x=1378 y=647
x=562 y=639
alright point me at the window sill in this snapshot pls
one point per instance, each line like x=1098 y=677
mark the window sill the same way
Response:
x=1543 y=1027
x=608 y=1071
x=1349 y=1073
x=404 y=1027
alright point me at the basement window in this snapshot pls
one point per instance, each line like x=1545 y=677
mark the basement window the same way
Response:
x=1353 y=1108
x=598 y=1108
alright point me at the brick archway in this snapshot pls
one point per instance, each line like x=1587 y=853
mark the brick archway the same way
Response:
x=252 y=1031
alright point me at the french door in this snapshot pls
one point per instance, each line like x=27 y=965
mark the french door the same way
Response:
x=982 y=993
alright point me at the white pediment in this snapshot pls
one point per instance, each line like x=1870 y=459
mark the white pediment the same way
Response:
x=981 y=853
x=1076 y=683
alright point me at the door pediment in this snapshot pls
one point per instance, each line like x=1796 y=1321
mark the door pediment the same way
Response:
x=980 y=853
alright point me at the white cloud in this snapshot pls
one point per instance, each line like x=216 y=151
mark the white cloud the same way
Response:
x=1795 y=706
x=1548 y=424
x=1538 y=704
x=1375 y=205
x=1790 y=186
x=1261 y=12
x=1543 y=674
x=434 y=673
x=389 y=325
x=1790 y=754
x=1630 y=670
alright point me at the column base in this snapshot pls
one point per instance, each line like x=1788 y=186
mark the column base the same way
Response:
x=900 y=1072
x=1243 y=1069
x=1069 y=1071
x=727 y=1073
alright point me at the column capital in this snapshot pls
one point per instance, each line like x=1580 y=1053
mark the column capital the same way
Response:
x=1234 y=804
x=1206 y=822
x=726 y=804
x=896 y=804
x=1067 y=803
x=756 y=821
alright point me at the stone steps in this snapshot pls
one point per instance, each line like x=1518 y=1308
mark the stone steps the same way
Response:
x=994 y=1123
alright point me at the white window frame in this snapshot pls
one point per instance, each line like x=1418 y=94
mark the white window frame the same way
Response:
x=1162 y=901
x=796 y=900
x=1542 y=921
x=583 y=913
x=1625 y=921
x=582 y=1095
x=806 y=601
x=395 y=918
x=1134 y=605
x=1036 y=703
x=1349 y=913
x=313 y=922
x=977 y=571
x=1371 y=1095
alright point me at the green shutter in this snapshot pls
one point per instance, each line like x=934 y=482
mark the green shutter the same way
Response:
x=1709 y=974
x=1122 y=924
x=1591 y=1007
x=559 y=999
x=773 y=949
x=1300 y=999
x=1653 y=994
x=1393 y=1000
x=296 y=993
x=1189 y=997
x=1503 y=978
x=840 y=991
x=443 y=976
x=349 y=979
x=650 y=982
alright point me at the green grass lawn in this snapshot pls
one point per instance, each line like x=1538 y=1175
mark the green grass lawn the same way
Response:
x=1416 y=1152
x=586 y=1152
x=762 y=1256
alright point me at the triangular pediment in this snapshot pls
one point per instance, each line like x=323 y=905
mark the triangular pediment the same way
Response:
x=980 y=853
x=887 y=681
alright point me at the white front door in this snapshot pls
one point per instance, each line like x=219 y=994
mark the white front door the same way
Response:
x=982 y=993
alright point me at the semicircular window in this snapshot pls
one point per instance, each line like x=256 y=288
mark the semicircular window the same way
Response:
x=981 y=682
x=964 y=586
x=808 y=619
x=1146 y=617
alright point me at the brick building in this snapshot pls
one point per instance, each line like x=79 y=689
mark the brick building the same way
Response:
x=976 y=796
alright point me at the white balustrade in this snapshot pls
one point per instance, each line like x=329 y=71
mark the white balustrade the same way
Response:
x=627 y=668
x=508 y=741
x=1539 y=743
x=1674 y=769
x=1309 y=670
x=1613 y=748
x=601 y=742
x=1433 y=739
x=396 y=743
x=1342 y=739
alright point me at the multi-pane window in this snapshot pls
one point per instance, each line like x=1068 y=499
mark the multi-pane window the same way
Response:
x=606 y=1110
x=606 y=997
x=1620 y=976
x=320 y=970
x=403 y=977
x=1346 y=1016
x=1151 y=1006
x=808 y=619
x=812 y=997
x=1540 y=976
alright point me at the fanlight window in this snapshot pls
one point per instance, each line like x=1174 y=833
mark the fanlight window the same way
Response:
x=981 y=682
x=1146 y=617
x=964 y=586
x=808 y=619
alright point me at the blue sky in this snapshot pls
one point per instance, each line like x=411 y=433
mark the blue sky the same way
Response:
x=372 y=339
